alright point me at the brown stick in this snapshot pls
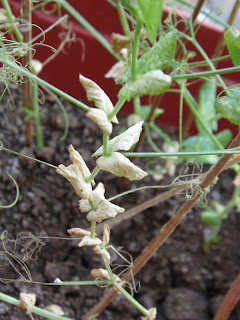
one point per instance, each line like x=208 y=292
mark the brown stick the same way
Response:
x=230 y=300
x=164 y=232
x=27 y=91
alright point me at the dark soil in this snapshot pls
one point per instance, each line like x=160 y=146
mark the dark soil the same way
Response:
x=181 y=280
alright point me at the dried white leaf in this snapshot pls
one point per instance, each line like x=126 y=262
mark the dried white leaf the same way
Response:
x=75 y=177
x=27 y=301
x=97 y=95
x=116 y=70
x=119 y=41
x=79 y=232
x=152 y=314
x=123 y=141
x=77 y=159
x=102 y=273
x=105 y=210
x=106 y=235
x=121 y=166
x=54 y=308
x=100 y=118
x=88 y=241
x=97 y=197
x=103 y=252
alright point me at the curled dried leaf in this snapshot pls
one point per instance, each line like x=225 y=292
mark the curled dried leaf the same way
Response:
x=105 y=210
x=77 y=159
x=36 y=66
x=87 y=241
x=79 y=232
x=97 y=95
x=121 y=166
x=124 y=141
x=119 y=41
x=97 y=197
x=102 y=273
x=100 y=118
x=106 y=235
x=103 y=252
x=54 y=308
x=116 y=70
x=27 y=301
x=75 y=177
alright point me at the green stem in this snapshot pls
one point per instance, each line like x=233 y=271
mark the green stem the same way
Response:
x=74 y=13
x=149 y=139
x=93 y=228
x=161 y=133
x=134 y=302
x=105 y=144
x=205 y=73
x=137 y=106
x=48 y=29
x=23 y=155
x=36 y=310
x=76 y=283
x=17 y=195
x=204 y=63
x=43 y=83
x=11 y=20
x=231 y=203
x=192 y=106
x=117 y=108
x=39 y=136
x=135 y=50
x=179 y=154
x=182 y=85
x=93 y=174
x=123 y=18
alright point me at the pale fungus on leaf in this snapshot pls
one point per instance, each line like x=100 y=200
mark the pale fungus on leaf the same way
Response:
x=102 y=252
x=75 y=177
x=124 y=141
x=105 y=210
x=98 y=96
x=79 y=232
x=100 y=118
x=77 y=159
x=27 y=301
x=121 y=166
x=88 y=241
x=97 y=197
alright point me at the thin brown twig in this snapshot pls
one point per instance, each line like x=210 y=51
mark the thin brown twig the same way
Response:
x=27 y=86
x=230 y=300
x=208 y=179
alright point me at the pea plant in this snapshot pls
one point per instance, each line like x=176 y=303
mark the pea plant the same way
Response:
x=153 y=59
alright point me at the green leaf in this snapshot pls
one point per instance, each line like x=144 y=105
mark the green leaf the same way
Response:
x=145 y=110
x=207 y=96
x=152 y=15
x=229 y=108
x=204 y=143
x=232 y=39
x=159 y=56
x=152 y=83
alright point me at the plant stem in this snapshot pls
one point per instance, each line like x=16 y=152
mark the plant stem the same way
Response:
x=161 y=133
x=192 y=106
x=123 y=18
x=93 y=227
x=36 y=310
x=134 y=302
x=17 y=195
x=52 y=26
x=74 y=13
x=30 y=158
x=205 y=73
x=135 y=49
x=11 y=20
x=43 y=83
x=116 y=109
x=105 y=144
x=93 y=174
x=39 y=136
